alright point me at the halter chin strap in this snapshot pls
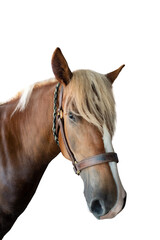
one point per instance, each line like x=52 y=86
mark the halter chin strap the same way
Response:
x=58 y=124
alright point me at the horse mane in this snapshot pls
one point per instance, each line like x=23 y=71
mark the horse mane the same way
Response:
x=90 y=95
x=24 y=96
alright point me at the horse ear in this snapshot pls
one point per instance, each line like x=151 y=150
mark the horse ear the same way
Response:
x=60 y=67
x=113 y=75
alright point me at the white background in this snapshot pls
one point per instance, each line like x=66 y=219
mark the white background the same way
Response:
x=99 y=35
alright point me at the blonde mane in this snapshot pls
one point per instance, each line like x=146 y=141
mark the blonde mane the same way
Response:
x=27 y=92
x=90 y=95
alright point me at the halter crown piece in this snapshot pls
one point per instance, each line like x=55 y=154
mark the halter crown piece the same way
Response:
x=58 y=125
x=55 y=113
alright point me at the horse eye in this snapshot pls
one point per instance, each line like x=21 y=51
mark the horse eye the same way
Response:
x=71 y=116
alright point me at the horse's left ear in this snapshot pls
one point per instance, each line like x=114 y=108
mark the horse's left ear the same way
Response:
x=60 y=67
x=113 y=75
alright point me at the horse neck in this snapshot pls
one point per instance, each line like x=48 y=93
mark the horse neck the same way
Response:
x=32 y=127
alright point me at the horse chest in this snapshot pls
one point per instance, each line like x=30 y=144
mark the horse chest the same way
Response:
x=17 y=186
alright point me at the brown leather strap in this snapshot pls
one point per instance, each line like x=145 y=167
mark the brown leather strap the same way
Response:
x=70 y=153
x=60 y=126
x=59 y=111
x=97 y=159
x=85 y=163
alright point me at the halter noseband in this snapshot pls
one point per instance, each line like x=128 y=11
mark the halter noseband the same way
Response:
x=58 y=124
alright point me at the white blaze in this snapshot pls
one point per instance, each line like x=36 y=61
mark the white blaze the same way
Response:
x=113 y=166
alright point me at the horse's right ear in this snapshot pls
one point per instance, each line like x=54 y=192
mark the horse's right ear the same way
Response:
x=60 y=67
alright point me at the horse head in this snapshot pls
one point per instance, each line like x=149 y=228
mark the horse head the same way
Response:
x=89 y=121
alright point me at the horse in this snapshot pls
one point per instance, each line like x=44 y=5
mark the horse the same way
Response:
x=73 y=113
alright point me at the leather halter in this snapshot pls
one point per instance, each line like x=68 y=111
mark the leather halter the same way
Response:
x=87 y=162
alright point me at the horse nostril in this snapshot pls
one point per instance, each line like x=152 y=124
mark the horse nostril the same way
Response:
x=96 y=207
x=124 y=202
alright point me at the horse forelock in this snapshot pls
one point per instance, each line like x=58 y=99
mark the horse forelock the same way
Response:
x=89 y=94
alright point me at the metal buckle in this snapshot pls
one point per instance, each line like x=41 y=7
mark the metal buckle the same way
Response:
x=60 y=113
x=75 y=168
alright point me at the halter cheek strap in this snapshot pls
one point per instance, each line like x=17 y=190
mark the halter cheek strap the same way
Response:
x=58 y=125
